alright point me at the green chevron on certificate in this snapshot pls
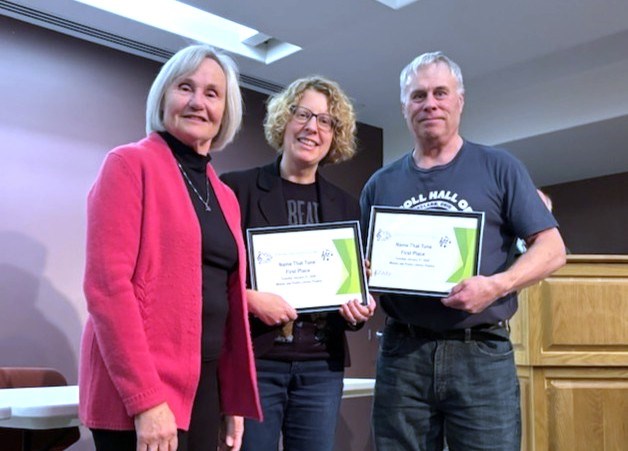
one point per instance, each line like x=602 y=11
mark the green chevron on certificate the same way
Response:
x=313 y=267
x=422 y=252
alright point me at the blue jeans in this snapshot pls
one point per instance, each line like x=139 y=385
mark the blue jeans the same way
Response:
x=431 y=390
x=300 y=400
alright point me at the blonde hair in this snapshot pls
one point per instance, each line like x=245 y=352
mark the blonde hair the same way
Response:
x=183 y=62
x=278 y=114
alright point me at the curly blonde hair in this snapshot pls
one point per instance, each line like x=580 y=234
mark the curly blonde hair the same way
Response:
x=278 y=114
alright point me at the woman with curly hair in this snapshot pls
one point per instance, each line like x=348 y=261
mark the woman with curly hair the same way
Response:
x=300 y=358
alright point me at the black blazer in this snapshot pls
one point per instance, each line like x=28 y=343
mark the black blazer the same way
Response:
x=262 y=203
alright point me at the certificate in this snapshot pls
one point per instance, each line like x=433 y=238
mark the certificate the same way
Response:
x=422 y=252
x=313 y=267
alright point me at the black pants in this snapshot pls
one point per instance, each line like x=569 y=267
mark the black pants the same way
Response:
x=204 y=425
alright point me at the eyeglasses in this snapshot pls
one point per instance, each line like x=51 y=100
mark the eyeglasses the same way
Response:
x=302 y=115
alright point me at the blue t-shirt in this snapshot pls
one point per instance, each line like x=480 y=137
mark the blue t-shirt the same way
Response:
x=479 y=178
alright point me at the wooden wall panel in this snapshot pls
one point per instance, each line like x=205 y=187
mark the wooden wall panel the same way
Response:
x=525 y=386
x=578 y=316
x=586 y=409
x=571 y=343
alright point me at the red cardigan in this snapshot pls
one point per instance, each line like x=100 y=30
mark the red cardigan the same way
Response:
x=141 y=344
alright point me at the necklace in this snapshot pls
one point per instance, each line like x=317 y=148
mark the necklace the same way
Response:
x=187 y=179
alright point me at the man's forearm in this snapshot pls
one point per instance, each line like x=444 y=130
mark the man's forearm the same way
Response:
x=545 y=254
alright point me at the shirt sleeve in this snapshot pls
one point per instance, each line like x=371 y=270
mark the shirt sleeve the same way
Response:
x=524 y=208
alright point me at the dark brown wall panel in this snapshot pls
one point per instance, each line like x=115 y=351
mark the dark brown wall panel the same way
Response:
x=593 y=214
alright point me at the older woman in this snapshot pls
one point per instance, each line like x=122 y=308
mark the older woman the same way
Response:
x=300 y=358
x=166 y=353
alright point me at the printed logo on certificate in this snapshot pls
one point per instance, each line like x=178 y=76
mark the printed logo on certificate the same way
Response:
x=313 y=267
x=422 y=252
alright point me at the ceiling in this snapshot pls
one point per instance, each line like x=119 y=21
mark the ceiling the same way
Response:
x=546 y=79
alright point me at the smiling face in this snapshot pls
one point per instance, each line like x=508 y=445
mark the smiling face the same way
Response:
x=305 y=144
x=434 y=105
x=194 y=105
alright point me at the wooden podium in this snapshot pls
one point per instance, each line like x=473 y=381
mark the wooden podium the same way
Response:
x=571 y=348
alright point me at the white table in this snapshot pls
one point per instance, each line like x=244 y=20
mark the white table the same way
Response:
x=57 y=407
x=358 y=387
x=40 y=408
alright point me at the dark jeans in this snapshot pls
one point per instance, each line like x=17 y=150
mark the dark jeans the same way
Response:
x=109 y=440
x=300 y=400
x=429 y=389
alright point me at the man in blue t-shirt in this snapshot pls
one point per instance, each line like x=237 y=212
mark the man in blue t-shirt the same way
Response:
x=446 y=370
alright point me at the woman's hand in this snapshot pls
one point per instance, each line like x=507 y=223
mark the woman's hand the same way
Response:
x=156 y=429
x=272 y=309
x=231 y=432
x=354 y=312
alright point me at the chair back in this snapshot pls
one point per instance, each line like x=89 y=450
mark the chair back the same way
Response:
x=22 y=377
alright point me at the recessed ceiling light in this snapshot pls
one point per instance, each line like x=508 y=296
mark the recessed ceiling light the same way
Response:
x=396 y=4
x=185 y=20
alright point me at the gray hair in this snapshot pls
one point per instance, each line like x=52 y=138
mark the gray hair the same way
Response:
x=426 y=59
x=183 y=62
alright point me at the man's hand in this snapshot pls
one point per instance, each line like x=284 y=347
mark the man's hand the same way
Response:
x=367 y=269
x=272 y=309
x=156 y=429
x=231 y=432
x=546 y=253
x=475 y=294
x=354 y=312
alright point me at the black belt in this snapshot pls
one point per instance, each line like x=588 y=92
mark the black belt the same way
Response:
x=500 y=330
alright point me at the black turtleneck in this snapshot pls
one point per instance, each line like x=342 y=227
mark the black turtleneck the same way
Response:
x=219 y=253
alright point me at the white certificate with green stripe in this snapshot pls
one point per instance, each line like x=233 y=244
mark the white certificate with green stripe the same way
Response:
x=313 y=267
x=422 y=252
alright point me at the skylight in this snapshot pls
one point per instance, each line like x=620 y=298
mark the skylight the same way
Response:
x=396 y=4
x=185 y=20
